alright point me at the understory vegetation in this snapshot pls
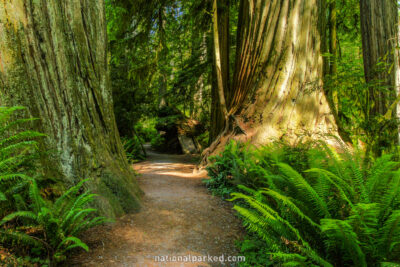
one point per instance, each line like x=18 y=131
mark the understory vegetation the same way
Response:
x=109 y=79
x=39 y=224
x=312 y=206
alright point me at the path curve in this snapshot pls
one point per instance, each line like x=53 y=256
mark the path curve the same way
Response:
x=179 y=218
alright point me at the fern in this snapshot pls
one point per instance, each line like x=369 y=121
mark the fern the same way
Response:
x=340 y=234
x=304 y=187
x=338 y=212
x=27 y=220
x=60 y=225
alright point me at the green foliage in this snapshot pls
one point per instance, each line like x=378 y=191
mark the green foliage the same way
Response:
x=255 y=251
x=18 y=151
x=133 y=148
x=146 y=57
x=146 y=130
x=41 y=229
x=329 y=209
x=356 y=105
x=242 y=164
x=158 y=143
x=166 y=124
x=51 y=228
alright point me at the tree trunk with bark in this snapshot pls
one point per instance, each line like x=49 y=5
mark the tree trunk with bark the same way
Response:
x=330 y=65
x=380 y=40
x=53 y=60
x=221 y=28
x=162 y=54
x=277 y=83
x=278 y=86
x=333 y=37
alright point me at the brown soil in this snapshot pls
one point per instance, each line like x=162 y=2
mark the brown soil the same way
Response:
x=179 y=218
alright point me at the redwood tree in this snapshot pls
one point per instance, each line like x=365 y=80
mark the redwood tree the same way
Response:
x=221 y=28
x=380 y=41
x=53 y=60
x=277 y=82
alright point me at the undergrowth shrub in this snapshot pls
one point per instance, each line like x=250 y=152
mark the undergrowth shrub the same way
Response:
x=133 y=148
x=324 y=209
x=146 y=130
x=242 y=164
x=158 y=143
x=40 y=229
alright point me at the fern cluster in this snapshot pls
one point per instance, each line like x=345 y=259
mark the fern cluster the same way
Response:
x=51 y=228
x=28 y=221
x=17 y=153
x=330 y=209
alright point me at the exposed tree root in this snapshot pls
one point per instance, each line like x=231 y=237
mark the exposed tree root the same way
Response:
x=232 y=128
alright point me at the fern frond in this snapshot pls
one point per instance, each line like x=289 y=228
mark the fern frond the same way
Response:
x=13 y=176
x=20 y=136
x=256 y=224
x=34 y=195
x=288 y=203
x=390 y=232
x=304 y=187
x=340 y=234
x=18 y=214
x=327 y=176
x=3 y=197
x=390 y=195
x=74 y=241
x=379 y=177
x=62 y=202
x=272 y=219
x=75 y=218
x=89 y=223
x=19 y=237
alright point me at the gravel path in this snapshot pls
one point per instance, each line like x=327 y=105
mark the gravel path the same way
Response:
x=179 y=218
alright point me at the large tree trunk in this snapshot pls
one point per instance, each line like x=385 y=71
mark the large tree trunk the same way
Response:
x=53 y=60
x=277 y=82
x=380 y=40
x=278 y=87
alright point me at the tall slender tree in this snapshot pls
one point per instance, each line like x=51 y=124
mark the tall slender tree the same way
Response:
x=162 y=54
x=221 y=74
x=53 y=60
x=380 y=41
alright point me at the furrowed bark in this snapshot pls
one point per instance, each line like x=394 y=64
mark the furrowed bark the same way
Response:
x=278 y=89
x=217 y=115
x=278 y=86
x=53 y=60
x=380 y=40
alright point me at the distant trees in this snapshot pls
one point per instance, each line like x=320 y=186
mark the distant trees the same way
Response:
x=53 y=60
x=162 y=53
x=380 y=40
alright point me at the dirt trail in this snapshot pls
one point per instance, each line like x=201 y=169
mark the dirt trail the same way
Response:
x=179 y=218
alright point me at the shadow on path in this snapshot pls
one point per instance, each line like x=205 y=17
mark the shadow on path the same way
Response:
x=179 y=218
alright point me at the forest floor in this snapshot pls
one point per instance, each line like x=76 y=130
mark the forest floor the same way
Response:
x=179 y=217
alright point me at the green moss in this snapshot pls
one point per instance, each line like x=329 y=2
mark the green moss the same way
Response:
x=120 y=191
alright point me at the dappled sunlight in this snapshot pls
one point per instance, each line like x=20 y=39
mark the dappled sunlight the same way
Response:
x=175 y=169
x=174 y=221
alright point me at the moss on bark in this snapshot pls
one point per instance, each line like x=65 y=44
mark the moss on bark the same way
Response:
x=53 y=60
